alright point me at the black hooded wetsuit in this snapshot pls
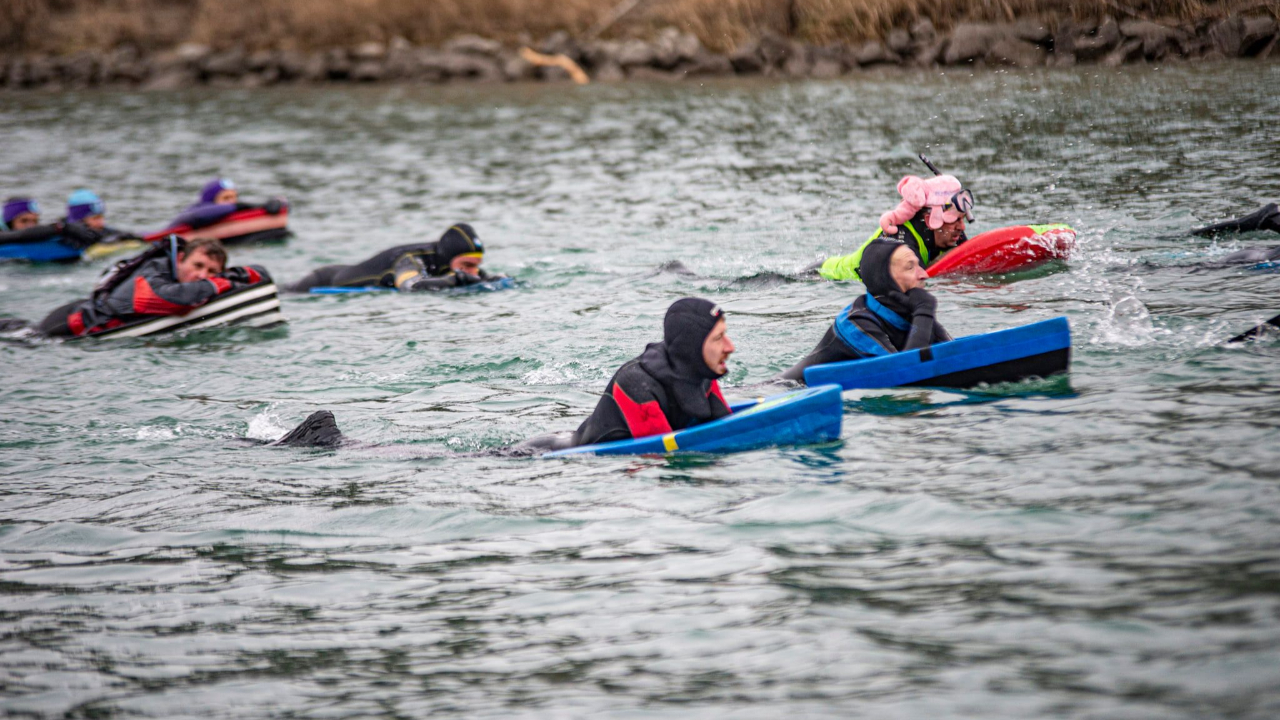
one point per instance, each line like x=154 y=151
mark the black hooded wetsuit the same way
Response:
x=668 y=387
x=883 y=321
x=417 y=266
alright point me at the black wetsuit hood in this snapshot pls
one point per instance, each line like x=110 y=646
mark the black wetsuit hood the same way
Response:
x=459 y=239
x=677 y=361
x=875 y=274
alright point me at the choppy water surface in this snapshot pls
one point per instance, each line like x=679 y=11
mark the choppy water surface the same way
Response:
x=1107 y=547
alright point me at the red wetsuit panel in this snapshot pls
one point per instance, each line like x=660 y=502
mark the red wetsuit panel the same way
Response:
x=147 y=302
x=75 y=322
x=643 y=419
x=222 y=284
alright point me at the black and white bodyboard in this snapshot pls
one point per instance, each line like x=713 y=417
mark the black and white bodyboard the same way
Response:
x=254 y=306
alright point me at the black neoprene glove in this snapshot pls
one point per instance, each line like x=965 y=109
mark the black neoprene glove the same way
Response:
x=237 y=275
x=462 y=278
x=273 y=206
x=80 y=236
x=919 y=301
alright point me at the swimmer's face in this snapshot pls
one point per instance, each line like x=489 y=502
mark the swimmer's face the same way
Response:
x=97 y=222
x=468 y=264
x=717 y=348
x=904 y=268
x=949 y=234
x=24 y=221
x=226 y=197
x=197 y=266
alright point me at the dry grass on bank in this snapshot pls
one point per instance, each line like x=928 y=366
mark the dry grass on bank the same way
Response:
x=68 y=25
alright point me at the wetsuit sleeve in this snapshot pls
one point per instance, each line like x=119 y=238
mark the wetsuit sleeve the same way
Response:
x=204 y=215
x=36 y=234
x=411 y=276
x=841 y=267
x=80 y=236
x=921 y=334
x=923 y=307
x=423 y=283
x=161 y=294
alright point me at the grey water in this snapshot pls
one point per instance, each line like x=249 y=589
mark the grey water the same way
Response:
x=1107 y=545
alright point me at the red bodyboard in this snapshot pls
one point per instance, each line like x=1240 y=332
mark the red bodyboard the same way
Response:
x=237 y=224
x=1006 y=249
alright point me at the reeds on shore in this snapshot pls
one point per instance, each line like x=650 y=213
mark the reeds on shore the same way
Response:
x=65 y=26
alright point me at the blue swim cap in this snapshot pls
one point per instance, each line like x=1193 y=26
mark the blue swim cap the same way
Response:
x=84 y=203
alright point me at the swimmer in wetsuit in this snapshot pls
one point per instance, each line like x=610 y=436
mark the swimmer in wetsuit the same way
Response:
x=930 y=220
x=452 y=261
x=895 y=314
x=672 y=385
x=86 y=208
x=218 y=199
x=22 y=218
x=161 y=281
x=20 y=213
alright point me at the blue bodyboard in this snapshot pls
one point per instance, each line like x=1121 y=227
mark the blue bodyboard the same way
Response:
x=1040 y=349
x=51 y=250
x=505 y=283
x=808 y=415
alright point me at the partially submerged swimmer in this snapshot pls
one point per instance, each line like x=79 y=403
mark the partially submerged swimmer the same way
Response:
x=930 y=220
x=1263 y=219
x=22 y=218
x=672 y=385
x=894 y=315
x=452 y=261
x=218 y=199
x=86 y=208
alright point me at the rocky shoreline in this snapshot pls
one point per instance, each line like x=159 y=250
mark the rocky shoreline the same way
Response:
x=671 y=55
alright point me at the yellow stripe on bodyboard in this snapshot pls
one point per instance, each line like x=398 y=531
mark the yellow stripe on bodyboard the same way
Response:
x=669 y=442
x=97 y=251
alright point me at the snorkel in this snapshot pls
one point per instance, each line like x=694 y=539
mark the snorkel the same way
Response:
x=175 y=243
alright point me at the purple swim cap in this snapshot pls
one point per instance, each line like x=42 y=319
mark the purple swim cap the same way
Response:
x=213 y=187
x=83 y=204
x=13 y=207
